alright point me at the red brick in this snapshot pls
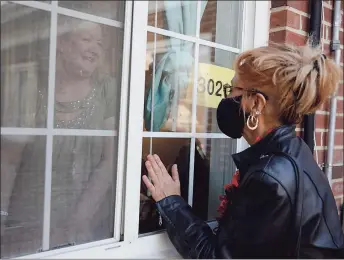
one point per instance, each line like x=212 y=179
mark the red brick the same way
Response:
x=338 y=138
x=278 y=37
x=338 y=156
x=340 y=92
x=285 y=18
x=295 y=38
x=318 y=139
x=278 y=19
x=321 y=121
x=305 y=23
x=299 y=5
x=327 y=14
x=278 y=3
x=338 y=172
x=340 y=106
x=337 y=188
x=321 y=156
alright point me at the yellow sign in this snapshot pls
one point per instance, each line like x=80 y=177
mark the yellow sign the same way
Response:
x=211 y=79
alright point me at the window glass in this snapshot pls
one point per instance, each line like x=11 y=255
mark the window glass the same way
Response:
x=217 y=153
x=108 y=9
x=221 y=22
x=24 y=65
x=83 y=189
x=22 y=194
x=82 y=157
x=213 y=168
x=214 y=71
x=168 y=101
x=88 y=74
x=178 y=152
x=175 y=16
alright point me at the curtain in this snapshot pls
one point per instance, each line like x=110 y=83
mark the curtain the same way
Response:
x=173 y=70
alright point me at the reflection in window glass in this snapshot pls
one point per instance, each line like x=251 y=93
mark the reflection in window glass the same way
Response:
x=221 y=22
x=168 y=102
x=217 y=153
x=88 y=74
x=87 y=96
x=24 y=65
x=178 y=152
x=22 y=194
x=108 y=9
x=83 y=189
x=175 y=16
x=213 y=168
x=215 y=70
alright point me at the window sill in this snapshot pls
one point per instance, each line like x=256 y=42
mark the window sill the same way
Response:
x=149 y=247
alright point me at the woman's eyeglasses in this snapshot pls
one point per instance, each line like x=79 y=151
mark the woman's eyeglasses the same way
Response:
x=227 y=89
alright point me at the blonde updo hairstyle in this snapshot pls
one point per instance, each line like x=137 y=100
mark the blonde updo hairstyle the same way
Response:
x=297 y=79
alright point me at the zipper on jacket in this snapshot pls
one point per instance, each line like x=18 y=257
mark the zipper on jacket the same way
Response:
x=160 y=219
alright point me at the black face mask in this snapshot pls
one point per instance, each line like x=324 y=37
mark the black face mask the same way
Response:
x=231 y=117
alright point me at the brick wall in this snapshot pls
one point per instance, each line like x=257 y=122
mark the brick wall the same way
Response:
x=289 y=22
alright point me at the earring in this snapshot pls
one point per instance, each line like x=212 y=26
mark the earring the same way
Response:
x=253 y=121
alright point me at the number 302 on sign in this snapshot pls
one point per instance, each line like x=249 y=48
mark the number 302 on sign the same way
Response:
x=210 y=86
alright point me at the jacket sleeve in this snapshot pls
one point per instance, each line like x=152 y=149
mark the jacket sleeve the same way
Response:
x=256 y=225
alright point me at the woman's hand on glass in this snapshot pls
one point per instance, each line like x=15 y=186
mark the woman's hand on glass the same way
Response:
x=161 y=184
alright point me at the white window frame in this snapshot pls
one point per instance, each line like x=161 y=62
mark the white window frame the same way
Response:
x=133 y=245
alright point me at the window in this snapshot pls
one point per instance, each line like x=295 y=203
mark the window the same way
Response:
x=61 y=71
x=189 y=41
x=88 y=89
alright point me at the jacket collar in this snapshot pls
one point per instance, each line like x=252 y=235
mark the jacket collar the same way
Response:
x=269 y=143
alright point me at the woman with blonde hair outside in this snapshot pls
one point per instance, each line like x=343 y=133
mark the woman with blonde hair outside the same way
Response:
x=280 y=204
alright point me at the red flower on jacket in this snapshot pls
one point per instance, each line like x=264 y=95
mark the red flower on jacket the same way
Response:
x=223 y=198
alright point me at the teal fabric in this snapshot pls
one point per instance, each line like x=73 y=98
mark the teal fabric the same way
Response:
x=173 y=70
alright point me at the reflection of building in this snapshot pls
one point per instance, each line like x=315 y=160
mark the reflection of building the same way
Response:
x=225 y=29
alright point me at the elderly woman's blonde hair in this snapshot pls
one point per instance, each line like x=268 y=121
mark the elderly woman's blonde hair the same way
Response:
x=297 y=79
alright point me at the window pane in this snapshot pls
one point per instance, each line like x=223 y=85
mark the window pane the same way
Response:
x=151 y=13
x=22 y=194
x=24 y=65
x=88 y=74
x=214 y=71
x=221 y=22
x=178 y=152
x=173 y=83
x=217 y=153
x=175 y=16
x=83 y=189
x=108 y=9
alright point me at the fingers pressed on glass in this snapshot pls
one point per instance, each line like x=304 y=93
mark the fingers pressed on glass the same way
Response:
x=149 y=185
x=175 y=174
x=151 y=172
x=160 y=164
x=154 y=164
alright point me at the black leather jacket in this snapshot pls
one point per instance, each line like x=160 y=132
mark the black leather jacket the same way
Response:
x=258 y=222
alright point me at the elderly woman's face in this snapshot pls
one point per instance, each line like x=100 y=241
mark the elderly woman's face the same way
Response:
x=82 y=49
